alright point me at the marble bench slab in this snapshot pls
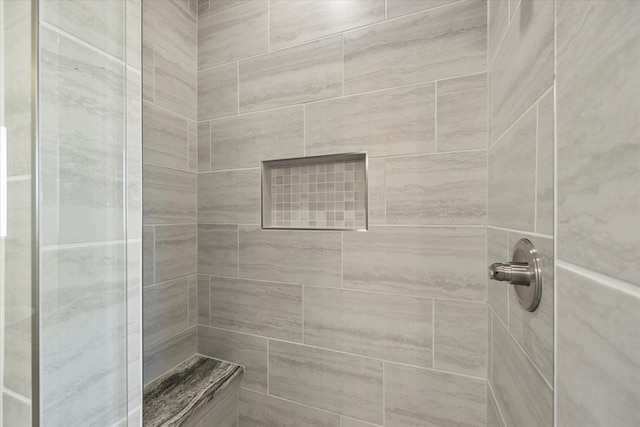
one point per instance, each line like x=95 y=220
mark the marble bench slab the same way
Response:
x=189 y=391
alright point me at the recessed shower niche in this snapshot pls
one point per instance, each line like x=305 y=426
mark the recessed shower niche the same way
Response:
x=315 y=193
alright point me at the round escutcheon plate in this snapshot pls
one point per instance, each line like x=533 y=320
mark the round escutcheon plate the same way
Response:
x=528 y=296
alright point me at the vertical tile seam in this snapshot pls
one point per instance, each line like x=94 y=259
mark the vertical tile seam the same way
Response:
x=433 y=333
x=238 y=86
x=153 y=281
x=555 y=214
x=535 y=173
x=268 y=25
x=238 y=251
x=435 y=116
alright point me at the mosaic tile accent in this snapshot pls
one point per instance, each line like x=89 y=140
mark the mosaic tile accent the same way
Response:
x=319 y=195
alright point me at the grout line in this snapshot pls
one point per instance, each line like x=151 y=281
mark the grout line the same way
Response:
x=268 y=362
x=15 y=178
x=433 y=332
x=153 y=231
x=165 y=109
x=238 y=86
x=168 y=167
x=435 y=116
x=497 y=404
x=535 y=173
x=96 y=243
x=530 y=233
x=602 y=279
x=303 y=306
x=384 y=399
x=386 y=10
x=555 y=213
x=16 y=396
x=304 y=130
x=238 y=251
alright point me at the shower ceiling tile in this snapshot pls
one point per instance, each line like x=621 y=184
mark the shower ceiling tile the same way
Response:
x=410 y=50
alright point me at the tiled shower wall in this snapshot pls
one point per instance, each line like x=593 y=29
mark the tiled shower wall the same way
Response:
x=170 y=162
x=554 y=69
x=346 y=328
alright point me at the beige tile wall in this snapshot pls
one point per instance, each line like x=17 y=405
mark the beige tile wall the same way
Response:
x=170 y=148
x=384 y=327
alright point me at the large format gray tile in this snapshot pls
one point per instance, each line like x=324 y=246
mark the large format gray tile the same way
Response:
x=437 y=189
x=246 y=350
x=412 y=49
x=598 y=145
x=169 y=195
x=99 y=23
x=176 y=251
x=462 y=113
x=148 y=70
x=207 y=7
x=193 y=300
x=165 y=310
x=261 y=410
x=229 y=196
x=244 y=141
x=83 y=334
x=350 y=422
x=223 y=415
x=167 y=354
x=512 y=176
x=203 y=299
x=193 y=146
x=218 y=249
x=204 y=147
x=534 y=330
x=268 y=309
x=545 y=165
x=175 y=85
x=397 y=8
x=432 y=262
x=170 y=27
x=391 y=122
x=166 y=139
x=421 y=397
x=460 y=337
x=218 y=92
x=233 y=34
x=523 y=395
x=266 y=80
x=297 y=21
x=17 y=413
x=498 y=292
x=303 y=257
x=523 y=68
x=376 y=195
x=494 y=418
x=598 y=346
x=389 y=327
x=337 y=382
x=86 y=144
x=498 y=11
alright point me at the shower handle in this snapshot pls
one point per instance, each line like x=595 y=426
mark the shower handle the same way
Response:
x=516 y=273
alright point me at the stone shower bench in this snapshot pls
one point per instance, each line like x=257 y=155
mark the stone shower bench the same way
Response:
x=191 y=391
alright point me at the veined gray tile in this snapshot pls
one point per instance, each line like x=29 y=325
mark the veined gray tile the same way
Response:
x=223 y=415
x=462 y=113
x=397 y=8
x=429 y=261
x=545 y=165
x=512 y=176
x=229 y=196
x=534 y=330
x=148 y=70
x=175 y=85
x=193 y=146
x=523 y=395
x=244 y=141
x=523 y=68
x=159 y=358
x=233 y=34
x=384 y=55
x=598 y=348
x=304 y=257
x=193 y=300
x=460 y=337
x=376 y=195
x=203 y=8
x=83 y=334
x=350 y=422
x=262 y=308
x=99 y=23
x=598 y=145
x=134 y=154
x=391 y=122
x=389 y=327
x=498 y=11
x=170 y=27
x=204 y=147
x=134 y=324
x=218 y=92
x=218 y=249
x=176 y=251
x=513 y=7
x=148 y=255
x=337 y=382
x=165 y=310
x=498 y=251
x=494 y=418
x=266 y=82
x=246 y=350
x=17 y=413
x=203 y=299
x=437 y=189
x=169 y=195
x=261 y=410
x=297 y=21
x=165 y=140
x=86 y=187
x=207 y=7
x=421 y=397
